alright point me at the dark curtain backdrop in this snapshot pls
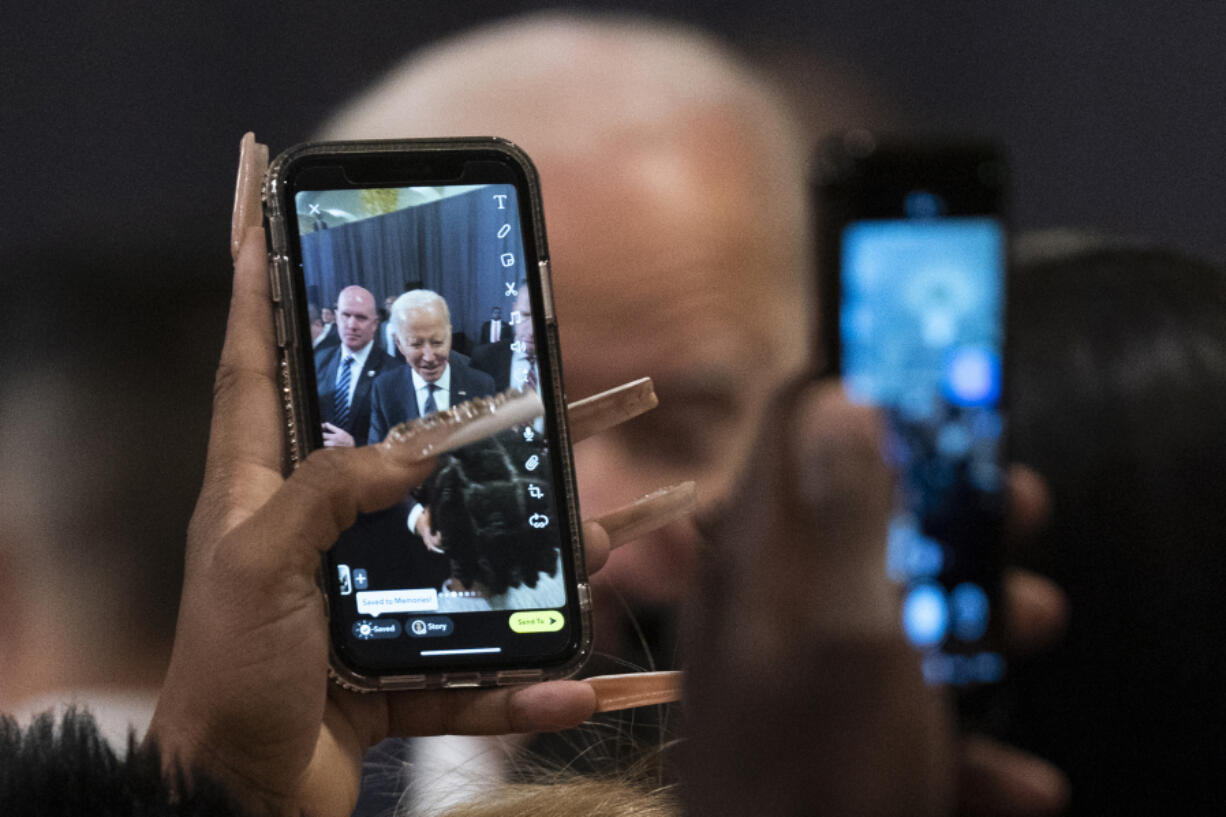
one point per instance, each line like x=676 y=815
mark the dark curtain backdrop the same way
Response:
x=450 y=245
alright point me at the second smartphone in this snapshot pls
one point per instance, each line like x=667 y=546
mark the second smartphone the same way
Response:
x=412 y=276
x=912 y=253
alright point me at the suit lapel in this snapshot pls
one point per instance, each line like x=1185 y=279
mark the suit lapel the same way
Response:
x=409 y=393
x=327 y=386
x=369 y=372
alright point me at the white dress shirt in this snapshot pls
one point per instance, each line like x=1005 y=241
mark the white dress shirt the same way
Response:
x=442 y=394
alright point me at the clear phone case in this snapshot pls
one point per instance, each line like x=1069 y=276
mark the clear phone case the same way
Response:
x=293 y=341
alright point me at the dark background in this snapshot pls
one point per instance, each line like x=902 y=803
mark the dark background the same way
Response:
x=120 y=124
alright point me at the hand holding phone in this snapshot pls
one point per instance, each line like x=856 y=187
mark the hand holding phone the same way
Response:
x=246 y=699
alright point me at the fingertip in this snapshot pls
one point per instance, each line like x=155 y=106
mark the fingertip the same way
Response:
x=1029 y=500
x=838 y=445
x=825 y=412
x=552 y=706
x=1037 y=610
x=251 y=164
x=999 y=779
x=596 y=545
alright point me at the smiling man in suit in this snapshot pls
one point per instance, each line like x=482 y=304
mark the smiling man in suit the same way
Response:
x=345 y=373
x=435 y=379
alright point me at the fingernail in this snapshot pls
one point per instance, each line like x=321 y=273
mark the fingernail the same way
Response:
x=633 y=689
x=252 y=161
x=594 y=414
x=461 y=425
x=653 y=511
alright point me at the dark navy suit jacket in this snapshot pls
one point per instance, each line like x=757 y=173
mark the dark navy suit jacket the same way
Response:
x=377 y=362
x=495 y=360
x=394 y=400
x=332 y=337
x=506 y=336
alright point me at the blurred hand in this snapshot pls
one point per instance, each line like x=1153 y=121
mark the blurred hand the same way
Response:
x=995 y=779
x=803 y=696
x=336 y=437
x=432 y=540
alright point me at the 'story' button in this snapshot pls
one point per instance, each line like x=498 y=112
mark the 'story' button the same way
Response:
x=429 y=627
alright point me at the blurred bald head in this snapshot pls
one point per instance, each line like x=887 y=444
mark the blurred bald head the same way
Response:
x=606 y=104
x=673 y=179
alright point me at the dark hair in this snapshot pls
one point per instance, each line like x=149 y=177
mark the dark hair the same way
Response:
x=67 y=767
x=479 y=502
x=1118 y=392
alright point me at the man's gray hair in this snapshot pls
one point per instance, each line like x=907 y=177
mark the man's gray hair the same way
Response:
x=413 y=300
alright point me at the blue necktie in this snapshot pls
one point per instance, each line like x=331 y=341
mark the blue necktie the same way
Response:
x=431 y=406
x=341 y=396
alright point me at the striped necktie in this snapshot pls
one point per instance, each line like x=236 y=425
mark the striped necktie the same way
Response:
x=341 y=395
x=430 y=406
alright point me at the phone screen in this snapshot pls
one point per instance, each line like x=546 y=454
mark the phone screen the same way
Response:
x=435 y=291
x=913 y=287
x=921 y=334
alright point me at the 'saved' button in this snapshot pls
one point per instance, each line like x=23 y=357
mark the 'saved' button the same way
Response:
x=429 y=627
x=537 y=621
x=367 y=629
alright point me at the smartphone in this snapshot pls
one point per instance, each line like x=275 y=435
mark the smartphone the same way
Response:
x=475 y=578
x=912 y=259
